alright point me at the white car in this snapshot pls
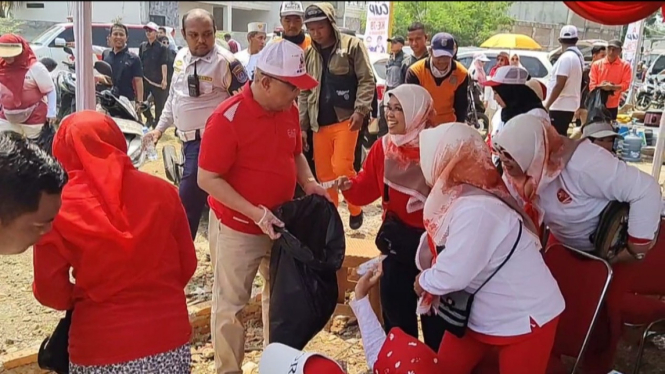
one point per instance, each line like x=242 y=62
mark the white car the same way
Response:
x=50 y=42
x=378 y=61
x=536 y=62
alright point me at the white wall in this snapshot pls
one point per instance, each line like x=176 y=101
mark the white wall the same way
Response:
x=102 y=12
x=242 y=17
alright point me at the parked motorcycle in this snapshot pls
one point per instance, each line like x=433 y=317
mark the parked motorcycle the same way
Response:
x=651 y=93
x=65 y=86
x=476 y=111
x=121 y=110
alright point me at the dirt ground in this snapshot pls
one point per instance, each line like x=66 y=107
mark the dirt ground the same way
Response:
x=25 y=323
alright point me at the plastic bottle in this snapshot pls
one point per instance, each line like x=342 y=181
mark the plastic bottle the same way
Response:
x=632 y=147
x=150 y=150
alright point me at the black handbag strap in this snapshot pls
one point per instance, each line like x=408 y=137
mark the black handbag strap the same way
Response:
x=519 y=236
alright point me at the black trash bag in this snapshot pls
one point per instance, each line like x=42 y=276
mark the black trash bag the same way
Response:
x=303 y=270
x=45 y=138
x=53 y=353
x=596 y=105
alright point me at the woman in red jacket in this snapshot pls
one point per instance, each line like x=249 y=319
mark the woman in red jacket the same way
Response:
x=124 y=235
x=392 y=172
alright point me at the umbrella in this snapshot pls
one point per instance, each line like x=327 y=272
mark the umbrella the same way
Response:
x=511 y=41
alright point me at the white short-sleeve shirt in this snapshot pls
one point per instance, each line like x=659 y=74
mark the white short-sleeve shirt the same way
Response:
x=568 y=65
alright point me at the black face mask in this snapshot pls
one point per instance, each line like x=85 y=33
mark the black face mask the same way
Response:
x=297 y=40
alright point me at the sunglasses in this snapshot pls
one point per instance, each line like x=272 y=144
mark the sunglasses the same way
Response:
x=498 y=150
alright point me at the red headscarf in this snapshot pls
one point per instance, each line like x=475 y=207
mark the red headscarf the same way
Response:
x=12 y=75
x=111 y=215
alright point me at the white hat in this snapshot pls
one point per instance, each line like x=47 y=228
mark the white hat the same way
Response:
x=291 y=8
x=257 y=27
x=508 y=75
x=279 y=358
x=151 y=26
x=568 y=32
x=599 y=130
x=480 y=56
x=10 y=49
x=286 y=61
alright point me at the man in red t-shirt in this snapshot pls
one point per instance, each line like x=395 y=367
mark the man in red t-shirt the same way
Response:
x=250 y=161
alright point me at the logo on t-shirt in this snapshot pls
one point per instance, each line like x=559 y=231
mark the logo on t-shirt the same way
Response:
x=564 y=196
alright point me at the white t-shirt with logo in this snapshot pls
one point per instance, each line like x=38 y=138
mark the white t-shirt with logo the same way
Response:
x=568 y=65
x=593 y=177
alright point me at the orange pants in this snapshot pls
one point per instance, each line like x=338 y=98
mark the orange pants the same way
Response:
x=334 y=150
x=523 y=354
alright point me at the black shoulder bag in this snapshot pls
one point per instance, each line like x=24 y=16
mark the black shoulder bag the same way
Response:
x=395 y=238
x=455 y=308
x=53 y=354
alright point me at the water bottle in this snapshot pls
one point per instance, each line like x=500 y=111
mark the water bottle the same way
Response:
x=150 y=150
x=632 y=147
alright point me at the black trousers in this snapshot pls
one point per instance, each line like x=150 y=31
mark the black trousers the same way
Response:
x=614 y=112
x=159 y=96
x=561 y=121
x=399 y=302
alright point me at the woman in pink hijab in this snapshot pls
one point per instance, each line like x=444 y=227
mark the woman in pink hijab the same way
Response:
x=24 y=83
x=392 y=172
x=483 y=244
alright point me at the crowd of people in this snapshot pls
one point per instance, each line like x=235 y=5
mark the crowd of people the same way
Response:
x=463 y=218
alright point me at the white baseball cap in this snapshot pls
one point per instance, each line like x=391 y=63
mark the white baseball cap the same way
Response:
x=286 y=61
x=151 y=26
x=480 y=56
x=291 y=8
x=508 y=75
x=280 y=358
x=568 y=32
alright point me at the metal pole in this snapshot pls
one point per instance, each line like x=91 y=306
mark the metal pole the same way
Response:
x=85 y=81
x=633 y=67
x=658 y=153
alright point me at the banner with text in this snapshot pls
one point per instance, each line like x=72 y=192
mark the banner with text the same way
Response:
x=629 y=50
x=378 y=24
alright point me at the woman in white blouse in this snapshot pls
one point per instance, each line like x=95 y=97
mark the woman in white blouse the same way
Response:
x=472 y=217
x=565 y=184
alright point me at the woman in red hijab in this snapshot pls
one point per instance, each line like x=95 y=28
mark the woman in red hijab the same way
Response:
x=24 y=83
x=124 y=235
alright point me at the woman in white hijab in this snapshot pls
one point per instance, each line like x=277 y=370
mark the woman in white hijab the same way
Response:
x=565 y=184
x=481 y=242
x=392 y=172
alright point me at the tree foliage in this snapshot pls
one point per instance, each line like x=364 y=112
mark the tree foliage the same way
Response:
x=6 y=7
x=470 y=22
x=10 y=26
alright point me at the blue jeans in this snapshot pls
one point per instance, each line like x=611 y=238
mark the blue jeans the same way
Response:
x=193 y=198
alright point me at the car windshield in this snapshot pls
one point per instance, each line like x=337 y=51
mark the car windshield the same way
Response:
x=532 y=64
x=380 y=68
x=46 y=36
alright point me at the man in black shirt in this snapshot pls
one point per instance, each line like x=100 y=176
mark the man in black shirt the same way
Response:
x=154 y=58
x=169 y=64
x=417 y=37
x=127 y=69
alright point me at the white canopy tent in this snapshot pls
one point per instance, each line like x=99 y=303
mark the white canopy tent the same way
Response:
x=85 y=80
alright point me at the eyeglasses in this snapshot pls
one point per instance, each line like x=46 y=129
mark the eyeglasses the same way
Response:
x=290 y=85
x=388 y=108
